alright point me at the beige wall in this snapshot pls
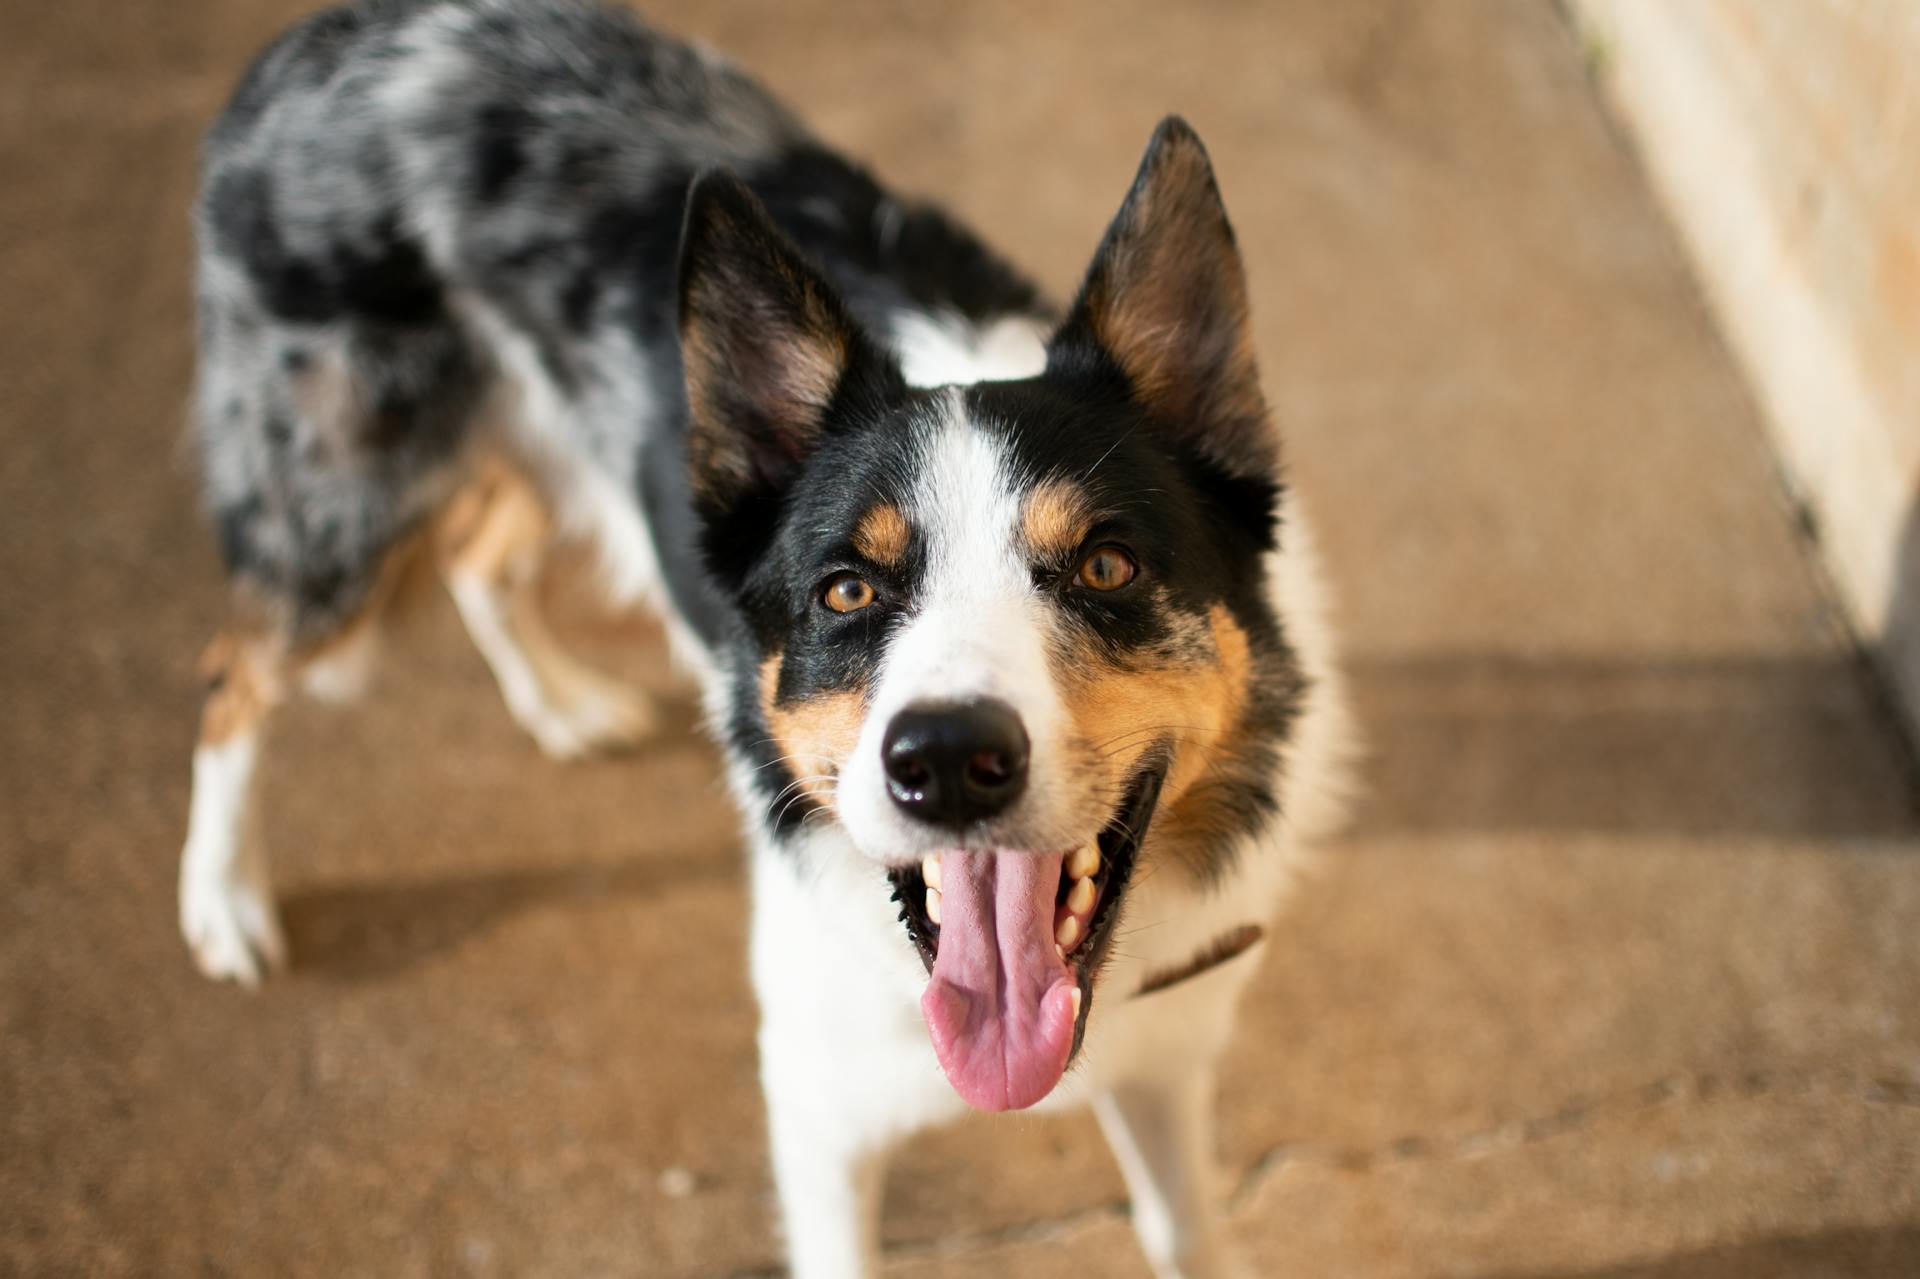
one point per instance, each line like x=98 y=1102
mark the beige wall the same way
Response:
x=1784 y=137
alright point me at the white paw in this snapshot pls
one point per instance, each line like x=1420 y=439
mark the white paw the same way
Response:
x=232 y=929
x=599 y=716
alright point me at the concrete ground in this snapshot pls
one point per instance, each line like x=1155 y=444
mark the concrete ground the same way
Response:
x=1617 y=974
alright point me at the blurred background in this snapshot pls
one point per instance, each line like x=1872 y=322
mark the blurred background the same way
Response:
x=1593 y=330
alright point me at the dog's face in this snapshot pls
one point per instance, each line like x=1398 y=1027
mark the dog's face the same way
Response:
x=1012 y=637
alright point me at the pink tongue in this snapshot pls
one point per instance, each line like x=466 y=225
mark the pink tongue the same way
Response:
x=1000 y=1004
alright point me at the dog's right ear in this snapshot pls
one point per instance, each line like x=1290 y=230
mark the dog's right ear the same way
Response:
x=768 y=347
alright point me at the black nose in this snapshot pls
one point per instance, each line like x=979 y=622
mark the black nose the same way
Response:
x=954 y=763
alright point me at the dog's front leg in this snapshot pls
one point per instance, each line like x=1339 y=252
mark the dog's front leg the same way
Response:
x=1160 y=1126
x=828 y=1178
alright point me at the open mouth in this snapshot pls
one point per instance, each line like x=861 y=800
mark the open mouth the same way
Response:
x=1011 y=940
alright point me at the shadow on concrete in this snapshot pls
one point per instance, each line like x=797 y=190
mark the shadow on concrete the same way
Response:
x=1492 y=743
x=362 y=932
x=1885 y=1253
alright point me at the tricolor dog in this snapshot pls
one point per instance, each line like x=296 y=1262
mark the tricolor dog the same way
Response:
x=1014 y=649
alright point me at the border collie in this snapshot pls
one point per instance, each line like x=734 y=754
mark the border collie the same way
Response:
x=1020 y=674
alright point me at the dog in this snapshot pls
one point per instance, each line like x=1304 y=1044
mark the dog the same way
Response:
x=1024 y=684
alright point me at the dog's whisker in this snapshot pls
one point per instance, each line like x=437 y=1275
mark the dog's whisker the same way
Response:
x=1098 y=462
x=801 y=784
x=801 y=789
x=802 y=797
x=1156 y=730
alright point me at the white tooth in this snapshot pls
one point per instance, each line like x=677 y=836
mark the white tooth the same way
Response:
x=1076 y=1003
x=1084 y=862
x=1080 y=896
x=933 y=904
x=1067 y=932
x=1059 y=954
x=930 y=870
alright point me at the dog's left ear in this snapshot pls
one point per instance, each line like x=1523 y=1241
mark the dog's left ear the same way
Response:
x=1166 y=300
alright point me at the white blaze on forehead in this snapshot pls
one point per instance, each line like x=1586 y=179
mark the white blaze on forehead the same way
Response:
x=966 y=504
x=977 y=628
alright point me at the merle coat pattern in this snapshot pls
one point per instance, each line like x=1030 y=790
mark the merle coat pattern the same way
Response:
x=1018 y=660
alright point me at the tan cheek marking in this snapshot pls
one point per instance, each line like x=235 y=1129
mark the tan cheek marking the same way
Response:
x=1198 y=706
x=816 y=735
x=1056 y=519
x=1221 y=696
x=1192 y=823
x=883 y=535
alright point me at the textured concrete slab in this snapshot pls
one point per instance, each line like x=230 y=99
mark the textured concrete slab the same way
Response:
x=1616 y=977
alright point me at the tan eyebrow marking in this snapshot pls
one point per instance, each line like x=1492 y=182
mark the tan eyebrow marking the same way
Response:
x=1056 y=519
x=882 y=535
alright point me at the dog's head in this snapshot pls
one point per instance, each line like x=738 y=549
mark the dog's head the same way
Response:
x=1012 y=637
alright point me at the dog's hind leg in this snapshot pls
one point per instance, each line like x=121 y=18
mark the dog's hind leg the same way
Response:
x=227 y=911
x=327 y=443
x=226 y=901
x=491 y=541
x=1160 y=1126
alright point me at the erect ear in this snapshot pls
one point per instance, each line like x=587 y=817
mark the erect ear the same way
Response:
x=768 y=346
x=1166 y=300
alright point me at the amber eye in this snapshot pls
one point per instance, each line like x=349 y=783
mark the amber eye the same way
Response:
x=1107 y=569
x=847 y=594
